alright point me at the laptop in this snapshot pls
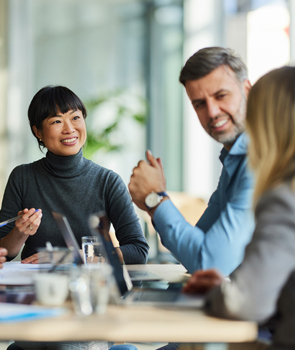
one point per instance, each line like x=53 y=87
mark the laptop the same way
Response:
x=71 y=242
x=68 y=235
x=171 y=296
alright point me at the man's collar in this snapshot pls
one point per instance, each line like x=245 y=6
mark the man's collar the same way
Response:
x=239 y=148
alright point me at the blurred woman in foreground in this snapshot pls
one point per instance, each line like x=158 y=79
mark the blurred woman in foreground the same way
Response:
x=262 y=288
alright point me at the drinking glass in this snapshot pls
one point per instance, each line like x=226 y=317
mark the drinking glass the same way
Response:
x=93 y=250
x=90 y=287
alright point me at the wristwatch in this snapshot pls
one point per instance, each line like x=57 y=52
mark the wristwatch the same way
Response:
x=154 y=198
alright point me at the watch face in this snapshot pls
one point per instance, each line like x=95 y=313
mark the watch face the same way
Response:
x=152 y=199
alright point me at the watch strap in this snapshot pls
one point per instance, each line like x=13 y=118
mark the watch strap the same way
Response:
x=163 y=194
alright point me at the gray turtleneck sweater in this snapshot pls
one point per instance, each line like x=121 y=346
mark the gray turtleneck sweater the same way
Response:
x=75 y=187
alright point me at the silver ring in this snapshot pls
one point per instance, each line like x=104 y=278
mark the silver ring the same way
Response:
x=31 y=228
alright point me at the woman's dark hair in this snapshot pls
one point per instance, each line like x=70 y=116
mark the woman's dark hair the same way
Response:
x=48 y=102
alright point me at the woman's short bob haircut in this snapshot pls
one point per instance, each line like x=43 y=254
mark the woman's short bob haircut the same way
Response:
x=48 y=102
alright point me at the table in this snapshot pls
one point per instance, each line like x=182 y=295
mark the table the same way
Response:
x=134 y=323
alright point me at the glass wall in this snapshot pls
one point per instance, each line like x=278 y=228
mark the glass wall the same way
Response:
x=165 y=52
x=127 y=55
x=259 y=30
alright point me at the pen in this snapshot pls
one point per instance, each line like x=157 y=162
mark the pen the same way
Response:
x=3 y=223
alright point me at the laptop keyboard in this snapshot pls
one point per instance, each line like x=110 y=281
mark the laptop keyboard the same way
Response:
x=162 y=296
x=138 y=273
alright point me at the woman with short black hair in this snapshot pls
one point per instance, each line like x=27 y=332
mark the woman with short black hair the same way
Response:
x=65 y=182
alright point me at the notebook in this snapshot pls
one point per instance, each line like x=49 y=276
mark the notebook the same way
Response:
x=71 y=242
x=171 y=296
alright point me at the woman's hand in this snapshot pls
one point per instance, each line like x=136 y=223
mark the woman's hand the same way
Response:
x=3 y=253
x=33 y=259
x=29 y=222
x=202 y=281
x=24 y=227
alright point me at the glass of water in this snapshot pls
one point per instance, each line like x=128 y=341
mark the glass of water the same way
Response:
x=93 y=250
x=91 y=286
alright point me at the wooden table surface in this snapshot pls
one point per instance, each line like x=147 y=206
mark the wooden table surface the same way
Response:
x=134 y=323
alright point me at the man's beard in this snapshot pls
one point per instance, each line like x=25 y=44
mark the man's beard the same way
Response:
x=238 y=125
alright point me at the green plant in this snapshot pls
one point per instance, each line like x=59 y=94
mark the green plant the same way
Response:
x=123 y=105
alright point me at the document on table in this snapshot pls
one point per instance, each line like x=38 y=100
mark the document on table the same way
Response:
x=16 y=273
x=17 y=265
x=18 y=312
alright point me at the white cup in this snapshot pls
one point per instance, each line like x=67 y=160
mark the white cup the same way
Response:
x=51 y=288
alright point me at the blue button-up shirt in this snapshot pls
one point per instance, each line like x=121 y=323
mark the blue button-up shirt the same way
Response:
x=220 y=236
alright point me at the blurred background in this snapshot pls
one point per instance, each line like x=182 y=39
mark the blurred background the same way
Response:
x=123 y=58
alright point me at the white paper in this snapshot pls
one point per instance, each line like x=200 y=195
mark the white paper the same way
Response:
x=20 y=312
x=18 y=274
x=17 y=265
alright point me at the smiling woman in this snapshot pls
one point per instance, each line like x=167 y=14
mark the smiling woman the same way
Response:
x=63 y=134
x=57 y=117
x=65 y=182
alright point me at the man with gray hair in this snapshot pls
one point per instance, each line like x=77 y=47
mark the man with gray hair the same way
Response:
x=216 y=82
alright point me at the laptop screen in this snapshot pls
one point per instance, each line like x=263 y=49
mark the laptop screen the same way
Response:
x=68 y=235
x=99 y=224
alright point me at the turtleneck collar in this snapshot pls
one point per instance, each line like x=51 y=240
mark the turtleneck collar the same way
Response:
x=68 y=166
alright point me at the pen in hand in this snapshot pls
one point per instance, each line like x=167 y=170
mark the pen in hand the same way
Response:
x=3 y=223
